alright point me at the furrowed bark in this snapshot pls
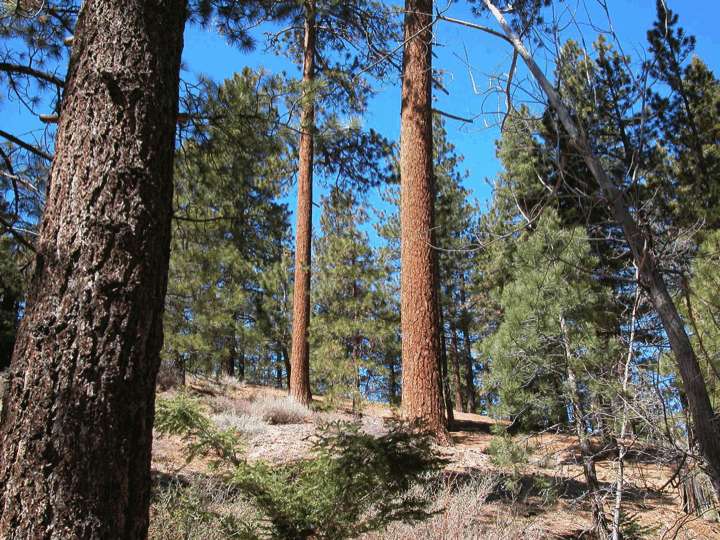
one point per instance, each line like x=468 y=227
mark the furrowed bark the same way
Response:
x=76 y=425
x=300 y=356
x=422 y=396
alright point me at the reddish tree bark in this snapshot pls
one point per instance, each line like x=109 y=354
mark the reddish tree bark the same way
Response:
x=420 y=318
x=300 y=355
x=76 y=427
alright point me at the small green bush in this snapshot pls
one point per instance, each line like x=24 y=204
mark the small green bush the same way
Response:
x=353 y=483
x=506 y=454
x=183 y=416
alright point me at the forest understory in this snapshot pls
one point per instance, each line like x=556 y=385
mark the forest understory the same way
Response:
x=475 y=496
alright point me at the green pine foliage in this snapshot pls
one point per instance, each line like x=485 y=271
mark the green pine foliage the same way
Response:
x=353 y=482
x=347 y=328
x=227 y=283
x=551 y=280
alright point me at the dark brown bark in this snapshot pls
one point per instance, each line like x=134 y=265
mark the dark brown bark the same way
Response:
x=288 y=367
x=76 y=427
x=706 y=422
x=300 y=357
x=9 y=305
x=420 y=318
x=229 y=367
x=241 y=365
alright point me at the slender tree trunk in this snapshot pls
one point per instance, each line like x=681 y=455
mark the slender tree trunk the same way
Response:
x=621 y=405
x=600 y=526
x=420 y=318
x=472 y=401
x=278 y=371
x=241 y=365
x=393 y=397
x=300 y=358
x=459 y=395
x=706 y=422
x=76 y=428
x=445 y=374
x=179 y=365
x=286 y=361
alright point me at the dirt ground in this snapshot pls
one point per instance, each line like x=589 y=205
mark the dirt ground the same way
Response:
x=554 y=460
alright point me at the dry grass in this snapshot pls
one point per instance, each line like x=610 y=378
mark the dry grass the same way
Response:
x=247 y=426
x=280 y=410
x=463 y=513
x=198 y=508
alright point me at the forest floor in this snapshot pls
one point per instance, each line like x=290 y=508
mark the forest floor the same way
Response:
x=560 y=511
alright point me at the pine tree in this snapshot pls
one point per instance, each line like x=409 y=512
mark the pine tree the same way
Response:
x=347 y=329
x=230 y=230
x=455 y=222
x=77 y=414
x=547 y=349
x=337 y=41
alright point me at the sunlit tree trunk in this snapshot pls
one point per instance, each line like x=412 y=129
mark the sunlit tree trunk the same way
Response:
x=420 y=319
x=300 y=355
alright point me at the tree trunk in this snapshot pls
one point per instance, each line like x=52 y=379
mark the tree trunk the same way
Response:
x=472 y=401
x=600 y=526
x=459 y=395
x=445 y=374
x=420 y=319
x=229 y=367
x=706 y=423
x=76 y=427
x=241 y=365
x=9 y=305
x=286 y=361
x=300 y=358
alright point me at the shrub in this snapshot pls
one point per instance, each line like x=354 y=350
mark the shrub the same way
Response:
x=279 y=410
x=462 y=514
x=169 y=376
x=355 y=483
x=506 y=454
x=199 y=509
x=248 y=426
x=183 y=416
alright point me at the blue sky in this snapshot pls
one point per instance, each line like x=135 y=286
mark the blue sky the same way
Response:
x=456 y=49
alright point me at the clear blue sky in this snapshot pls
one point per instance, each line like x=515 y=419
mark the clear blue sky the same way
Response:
x=207 y=53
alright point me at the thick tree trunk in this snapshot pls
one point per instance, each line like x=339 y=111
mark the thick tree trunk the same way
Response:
x=420 y=318
x=300 y=358
x=706 y=422
x=76 y=428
